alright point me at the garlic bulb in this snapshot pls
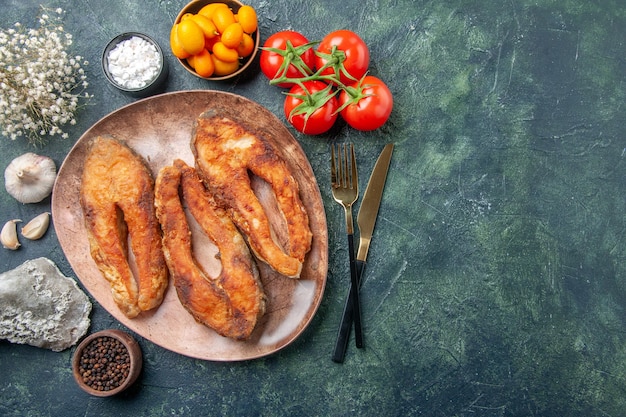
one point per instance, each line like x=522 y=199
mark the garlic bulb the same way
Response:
x=8 y=235
x=29 y=178
x=37 y=227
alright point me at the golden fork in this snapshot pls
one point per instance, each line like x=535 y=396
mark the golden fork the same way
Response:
x=345 y=187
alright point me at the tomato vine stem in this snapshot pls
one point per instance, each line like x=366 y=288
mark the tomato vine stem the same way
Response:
x=311 y=102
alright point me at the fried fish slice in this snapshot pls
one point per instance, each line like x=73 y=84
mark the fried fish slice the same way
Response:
x=225 y=153
x=239 y=276
x=202 y=297
x=117 y=198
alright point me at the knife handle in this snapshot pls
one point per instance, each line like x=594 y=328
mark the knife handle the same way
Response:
x=354 y=294
x=343 y=335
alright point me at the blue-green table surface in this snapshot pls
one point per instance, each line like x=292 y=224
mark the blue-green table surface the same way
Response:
x=496 y=281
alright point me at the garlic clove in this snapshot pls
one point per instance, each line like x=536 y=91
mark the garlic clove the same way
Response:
x=8 y=235
x=29 y=178
x=37 y=227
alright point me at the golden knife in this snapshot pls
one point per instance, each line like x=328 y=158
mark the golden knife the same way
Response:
x=366 y=221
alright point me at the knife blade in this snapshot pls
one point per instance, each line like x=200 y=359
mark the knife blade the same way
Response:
x=366 y=220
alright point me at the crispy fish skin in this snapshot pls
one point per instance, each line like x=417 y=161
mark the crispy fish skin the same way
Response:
x=239 y=276
x=117 y=198
x=201 y=296
x=225 y=152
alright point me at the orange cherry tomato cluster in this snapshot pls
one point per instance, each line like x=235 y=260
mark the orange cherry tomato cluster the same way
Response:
x=213 y=40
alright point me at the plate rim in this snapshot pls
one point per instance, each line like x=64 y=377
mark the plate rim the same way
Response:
x=322 y=276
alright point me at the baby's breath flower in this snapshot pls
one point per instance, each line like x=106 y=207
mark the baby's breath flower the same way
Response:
x=40 y=83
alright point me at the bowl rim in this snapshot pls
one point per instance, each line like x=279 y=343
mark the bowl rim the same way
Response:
x=193 y=7
x=134 y=353
x=122 y=37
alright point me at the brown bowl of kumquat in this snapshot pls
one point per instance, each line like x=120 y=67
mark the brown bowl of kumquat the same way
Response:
x=215 y=39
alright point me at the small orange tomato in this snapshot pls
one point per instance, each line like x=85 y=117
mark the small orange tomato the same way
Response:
x=191 y=60
x=222 y=17
x=246 y=46
x=190 y=36
x=204 y=65
x=210 y=8
x=222 y=67
x=177 y=48
x=246 y=16
x=224 y=53
x=232 y=35
x=206 y=24
x=211 y=42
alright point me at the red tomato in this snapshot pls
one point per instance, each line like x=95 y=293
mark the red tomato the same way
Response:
x=368 y=104
x=312 y=111
x=357 y=55
x=288 y=49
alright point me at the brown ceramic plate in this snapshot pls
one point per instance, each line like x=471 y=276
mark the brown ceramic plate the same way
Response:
x=159 y=128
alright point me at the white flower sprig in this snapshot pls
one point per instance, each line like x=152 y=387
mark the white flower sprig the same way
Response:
x=40 y=83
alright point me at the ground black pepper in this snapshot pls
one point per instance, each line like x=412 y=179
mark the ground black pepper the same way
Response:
x=104 y=363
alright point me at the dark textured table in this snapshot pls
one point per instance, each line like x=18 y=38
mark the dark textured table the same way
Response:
x=496 y=282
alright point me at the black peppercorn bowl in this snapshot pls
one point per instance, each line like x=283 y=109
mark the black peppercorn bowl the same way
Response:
x=107 y=362
x=153 y=86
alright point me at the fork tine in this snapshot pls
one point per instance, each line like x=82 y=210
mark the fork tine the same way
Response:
x=343 y=169
x=355 y=176
x=333 y=166
x=348 y=165
x=343 y=166
x=337 y=164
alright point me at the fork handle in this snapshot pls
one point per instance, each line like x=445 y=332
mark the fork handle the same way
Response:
x=354 y=292
x=343 y=336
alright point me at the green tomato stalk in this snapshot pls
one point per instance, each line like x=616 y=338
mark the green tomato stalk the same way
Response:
x=311 y=102
x=356 y=93
x=292 y=56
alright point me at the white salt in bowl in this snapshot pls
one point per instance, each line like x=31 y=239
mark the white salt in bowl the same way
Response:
x=134 y=64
